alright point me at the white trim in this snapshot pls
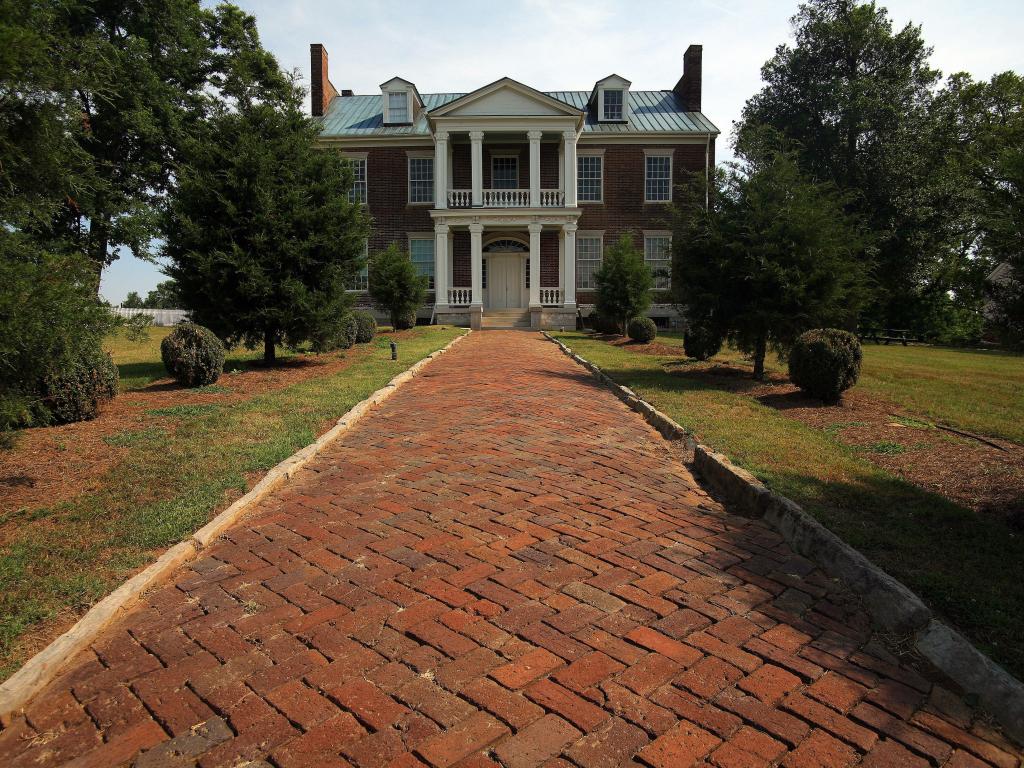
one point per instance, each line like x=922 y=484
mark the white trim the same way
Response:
x=387 y=93
x=669 y=153
x=432 y=237
x=589 y=153
x=504 y=154
x=660 y=233
x=588 y=234
x=417 y=155
x=639 y=137
x=514 y=85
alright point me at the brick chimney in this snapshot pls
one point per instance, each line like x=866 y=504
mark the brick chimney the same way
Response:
x=687 y=90
x=320 y=89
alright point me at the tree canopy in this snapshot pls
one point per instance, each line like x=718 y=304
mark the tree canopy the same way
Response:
x=624 y=283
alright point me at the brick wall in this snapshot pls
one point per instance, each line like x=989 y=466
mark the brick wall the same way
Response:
x=387 y=197
x=548 y=259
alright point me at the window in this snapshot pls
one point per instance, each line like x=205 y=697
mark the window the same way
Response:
x=421 y=251
x=361 y=282
x=483 y=274
x=612 y=104
x=658 y=255
x=588 y=260
x=398 y=107
x=504 y=172
x=657 y=178
x=526 y=261
x=357 y=194
x=589 y=178
x=421 y=179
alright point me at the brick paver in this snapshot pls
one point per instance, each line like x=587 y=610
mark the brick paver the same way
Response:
x=501 y=566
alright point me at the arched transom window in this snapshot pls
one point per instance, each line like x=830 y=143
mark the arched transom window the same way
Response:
x=505 y=245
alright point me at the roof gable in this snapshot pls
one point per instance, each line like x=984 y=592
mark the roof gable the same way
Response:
x=612 y=81
x=506 y=98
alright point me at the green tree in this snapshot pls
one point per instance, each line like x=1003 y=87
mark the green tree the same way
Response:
x=854 y=98
x=164 y=296
x=771 y=255
x=395 y=285
x=261 y=235
x=624 y=283
x=133 y=300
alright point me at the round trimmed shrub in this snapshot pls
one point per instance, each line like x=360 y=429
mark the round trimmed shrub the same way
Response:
x=825 y=362
x=701 y=343
x=366 y=327
x=642 y=329
x=404 y=320
x=74 y=392
x=604 y=324
x=193 y=355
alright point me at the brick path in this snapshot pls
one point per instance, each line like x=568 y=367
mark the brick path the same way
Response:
x=503 y=565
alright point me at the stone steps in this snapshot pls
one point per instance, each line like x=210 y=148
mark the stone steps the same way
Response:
x=505 y=318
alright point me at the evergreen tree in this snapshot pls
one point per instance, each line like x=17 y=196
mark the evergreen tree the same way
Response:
x=261 y=236
x=624 y=283
x=133 y=300
x=772 y=255
x=395 y=286
x=164 y=296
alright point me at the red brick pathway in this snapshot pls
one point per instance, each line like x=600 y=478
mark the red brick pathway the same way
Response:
x=503 y=565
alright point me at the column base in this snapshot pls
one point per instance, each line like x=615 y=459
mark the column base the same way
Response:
x=476 y=315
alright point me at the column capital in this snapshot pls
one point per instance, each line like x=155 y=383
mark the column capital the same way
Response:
x=535 y=228
x=534 y=135
x=476 y=228
x=569 y=134
x=476 y=135
x=569 y=227
x=441 y=136
x=441 y=229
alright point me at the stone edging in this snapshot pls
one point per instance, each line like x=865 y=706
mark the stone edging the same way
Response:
x=18 y=689
x=893 y=606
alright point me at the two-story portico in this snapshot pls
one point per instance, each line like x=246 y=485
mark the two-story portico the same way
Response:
x=488 y=190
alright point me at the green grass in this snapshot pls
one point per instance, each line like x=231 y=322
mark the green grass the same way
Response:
x=977 y=390
x=966 y=566
x=140 y=365
x=61 y=559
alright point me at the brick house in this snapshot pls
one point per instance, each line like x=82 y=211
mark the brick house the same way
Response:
x=506 y=197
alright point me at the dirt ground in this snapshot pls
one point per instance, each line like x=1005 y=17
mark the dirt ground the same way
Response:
x=50 y=465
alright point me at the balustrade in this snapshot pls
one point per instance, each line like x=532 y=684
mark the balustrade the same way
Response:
x=460 y=297
x=551 y=297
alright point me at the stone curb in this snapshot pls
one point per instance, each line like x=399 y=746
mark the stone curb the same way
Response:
x=892 y=605
x=18 y=689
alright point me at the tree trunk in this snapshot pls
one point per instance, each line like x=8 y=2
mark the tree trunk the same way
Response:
x=268 y=348
x=759 y=353
x=99 y=241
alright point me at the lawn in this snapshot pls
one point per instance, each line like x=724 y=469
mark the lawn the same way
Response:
x=181 y=466
x=966 y=566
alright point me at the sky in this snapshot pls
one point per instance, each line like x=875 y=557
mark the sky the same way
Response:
x=570 y=44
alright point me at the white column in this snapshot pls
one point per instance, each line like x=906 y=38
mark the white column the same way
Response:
x=569 y=173
x=476 y=141
x=534 y=137
x=535 y=230
x=569 y=263
x=441 y=266
x=441 y=169
x=476 y=263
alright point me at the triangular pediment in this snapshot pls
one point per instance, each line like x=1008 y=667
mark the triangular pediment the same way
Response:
x=506 y=98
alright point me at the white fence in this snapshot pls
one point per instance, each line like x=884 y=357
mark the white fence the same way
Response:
x=159 y=316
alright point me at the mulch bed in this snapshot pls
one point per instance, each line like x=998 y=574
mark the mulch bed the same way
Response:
x=50 y=465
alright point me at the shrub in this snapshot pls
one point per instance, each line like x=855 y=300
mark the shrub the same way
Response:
x=193 y=355
x=624 y=283
x=701 y=343
x=75 y=391
x=642 y=329
x=404 y=320
x=604 y=324
x=366 y=327
x=338 y=333
x=825 y=362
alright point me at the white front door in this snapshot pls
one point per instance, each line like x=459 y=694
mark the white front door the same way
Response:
x=504 y=281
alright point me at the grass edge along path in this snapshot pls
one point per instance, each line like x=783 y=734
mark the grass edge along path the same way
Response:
x=965 y=566
x=170 y=483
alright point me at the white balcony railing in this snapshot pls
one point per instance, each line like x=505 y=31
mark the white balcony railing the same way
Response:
x=551 y=297
x=460 y=297
x=505 y=198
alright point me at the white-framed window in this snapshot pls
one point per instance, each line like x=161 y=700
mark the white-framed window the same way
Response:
x=657 y=177
x=504 y=172
x=398 y=107
x=361 y=282
x=421 y=252
x=658 y=257
x=357 y=193
x=589 y=249
x=612 y=104
x=421 y=179
x=589 y=178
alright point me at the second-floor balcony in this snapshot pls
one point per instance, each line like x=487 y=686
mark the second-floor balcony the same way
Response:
x=507 y=198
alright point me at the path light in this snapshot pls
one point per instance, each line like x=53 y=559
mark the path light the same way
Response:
x=394 y=350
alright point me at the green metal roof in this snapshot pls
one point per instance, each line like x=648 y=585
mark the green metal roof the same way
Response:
x=649 y=112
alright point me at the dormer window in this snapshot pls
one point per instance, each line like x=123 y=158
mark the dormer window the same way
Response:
x=610 y=99
x=612 y=104
x=398 y=107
